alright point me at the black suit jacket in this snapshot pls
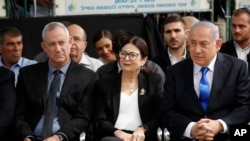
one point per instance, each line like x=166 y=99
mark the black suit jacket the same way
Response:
x=75 y=99
x=163 y=60
x=229 y=48
x=108 y=101
x=7 y=99
x=229 y=96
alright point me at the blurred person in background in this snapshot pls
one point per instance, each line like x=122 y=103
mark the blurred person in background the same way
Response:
x=38 y=8
x=239 y=46
x=102 y=41
x=175 y=36
x=11 y=48
x=79 y=44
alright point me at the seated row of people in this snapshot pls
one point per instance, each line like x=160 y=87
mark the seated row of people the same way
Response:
x=73 y=97
x=197 y=100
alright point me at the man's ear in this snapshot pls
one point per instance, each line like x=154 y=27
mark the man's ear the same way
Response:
x=218 y=44
x=43 y=46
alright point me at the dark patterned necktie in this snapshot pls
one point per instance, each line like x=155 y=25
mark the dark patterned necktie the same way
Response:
x=204 y=88
x=51 y=104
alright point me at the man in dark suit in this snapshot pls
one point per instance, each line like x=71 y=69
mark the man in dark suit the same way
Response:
x=174 y=35
x=7 y=99
x=239 y=46
x=72 y=110
x=203 y=107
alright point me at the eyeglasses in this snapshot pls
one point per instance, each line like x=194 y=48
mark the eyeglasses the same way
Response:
x=132 y=55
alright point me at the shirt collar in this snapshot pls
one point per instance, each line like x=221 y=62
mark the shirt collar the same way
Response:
x=85 y=60
x=182 y=57
x=19 y=63
x=237 y=46
x=62 y=69
x=197 y=67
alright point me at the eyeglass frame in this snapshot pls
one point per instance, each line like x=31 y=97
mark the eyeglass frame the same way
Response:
x=129 y=55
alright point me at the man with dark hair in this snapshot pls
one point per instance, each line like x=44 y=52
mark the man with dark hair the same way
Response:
x=239 y=46
x=174 y=35
x=11 y=47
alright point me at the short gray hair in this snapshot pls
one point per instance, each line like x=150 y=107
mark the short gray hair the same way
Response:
x=214 y=28
x=52 y=25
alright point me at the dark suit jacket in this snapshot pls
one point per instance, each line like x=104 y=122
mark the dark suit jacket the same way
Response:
x=7 y=99
x=75 y=99
x=111 y=69
x=163 y=60
x=229 y=96
x=229 y=48
x=108 y=101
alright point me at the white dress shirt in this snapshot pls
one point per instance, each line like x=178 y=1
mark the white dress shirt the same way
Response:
x=197 y=76
x=90 y=62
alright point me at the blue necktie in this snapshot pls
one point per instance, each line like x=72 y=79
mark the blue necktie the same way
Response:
x=204 y=88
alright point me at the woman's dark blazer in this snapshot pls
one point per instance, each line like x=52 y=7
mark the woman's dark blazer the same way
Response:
x=107 y=95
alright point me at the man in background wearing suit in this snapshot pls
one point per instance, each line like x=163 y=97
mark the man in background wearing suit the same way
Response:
x=174 y=35
x=72 y=102
x=204 y=105
x=239 y=46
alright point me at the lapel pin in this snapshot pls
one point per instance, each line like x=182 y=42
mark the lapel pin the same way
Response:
x=142 y=91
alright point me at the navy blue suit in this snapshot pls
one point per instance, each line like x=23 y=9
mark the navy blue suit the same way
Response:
x=229 y=97
x=7 y=99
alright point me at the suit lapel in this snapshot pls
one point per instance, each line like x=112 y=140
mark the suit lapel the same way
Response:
x=221 y=71
x=189 y=74
x=116 y=90
x=44 y=80
x=231 y=48
x=69 y=79
x=142 y=89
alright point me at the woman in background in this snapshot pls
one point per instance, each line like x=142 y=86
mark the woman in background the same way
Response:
x=102 y=41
